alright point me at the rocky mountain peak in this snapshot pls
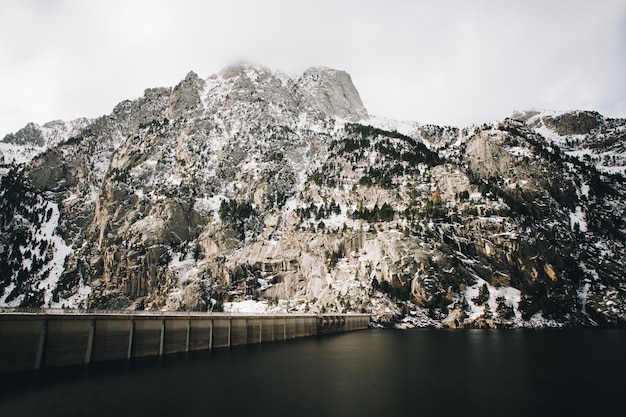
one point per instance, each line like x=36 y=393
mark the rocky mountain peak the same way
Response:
x=244 y=68
x=563 y=123
x=30 y=134
x=33 y=139
x=319 y=91
x=334 y=91
x=46 y=135
x=186 y=96
x=574 y=123
x=255 y=190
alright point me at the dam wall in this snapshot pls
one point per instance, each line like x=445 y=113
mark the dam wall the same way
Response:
x=30 y=341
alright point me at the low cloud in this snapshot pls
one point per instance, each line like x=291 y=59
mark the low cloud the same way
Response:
x=452 y=62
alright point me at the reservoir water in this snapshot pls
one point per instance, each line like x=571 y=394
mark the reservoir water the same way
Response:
x=364 y=373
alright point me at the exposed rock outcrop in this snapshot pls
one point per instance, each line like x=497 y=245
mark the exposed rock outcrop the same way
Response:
x=254 y=186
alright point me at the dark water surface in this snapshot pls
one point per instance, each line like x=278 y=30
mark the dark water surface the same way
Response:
x=366 y=373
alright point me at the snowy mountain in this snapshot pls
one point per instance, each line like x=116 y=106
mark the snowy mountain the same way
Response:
x=256 y=191
x=22 y=146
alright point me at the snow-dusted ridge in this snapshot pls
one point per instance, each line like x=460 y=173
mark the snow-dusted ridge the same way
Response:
x=22 y=146
x=257 y=191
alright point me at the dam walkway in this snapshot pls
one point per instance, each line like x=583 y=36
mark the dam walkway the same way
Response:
x=34 y=339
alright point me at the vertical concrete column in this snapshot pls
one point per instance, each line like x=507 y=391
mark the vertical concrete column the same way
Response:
x=131 y=335
x=42 y=344
x=230 y=329
x=162 y=338
x=92 y=331
x=188 y=335
x=260 y=331
x=284 y=329
x=211 y=336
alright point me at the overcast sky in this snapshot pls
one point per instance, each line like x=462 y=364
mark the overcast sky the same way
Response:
x=443 y=62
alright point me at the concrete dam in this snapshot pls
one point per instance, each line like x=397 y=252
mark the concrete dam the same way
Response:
x=34 y=340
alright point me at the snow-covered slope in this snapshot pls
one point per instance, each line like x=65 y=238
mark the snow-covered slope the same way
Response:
x=22 y=146
x=585 y=135
x=255 y=191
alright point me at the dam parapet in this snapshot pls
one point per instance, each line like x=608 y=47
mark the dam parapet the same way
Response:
x=32 y=339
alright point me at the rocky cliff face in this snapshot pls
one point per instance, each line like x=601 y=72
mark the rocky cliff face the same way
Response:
x=255 y=191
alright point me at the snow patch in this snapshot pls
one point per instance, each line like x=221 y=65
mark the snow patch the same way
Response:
x=578 y=218
x=7 y=291
x=584 y=190
x=19 y=154
x=265 y=307
x=210 y=204
x=512 y=297
x=60 y=251
x=520 y=151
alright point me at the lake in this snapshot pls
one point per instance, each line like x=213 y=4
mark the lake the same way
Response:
x=422 y=372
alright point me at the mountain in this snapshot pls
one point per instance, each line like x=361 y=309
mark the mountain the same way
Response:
x=256 y=191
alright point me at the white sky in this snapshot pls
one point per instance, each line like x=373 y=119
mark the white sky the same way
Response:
x=444 y=62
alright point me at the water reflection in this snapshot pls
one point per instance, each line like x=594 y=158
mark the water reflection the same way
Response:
x=368 y=373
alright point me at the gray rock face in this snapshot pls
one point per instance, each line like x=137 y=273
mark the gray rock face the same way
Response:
x=253 y=190
x=29 y=134
x=334 y=92
x=186 y=96
x=32 y=140
x=574 y=123
x=50 y=134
